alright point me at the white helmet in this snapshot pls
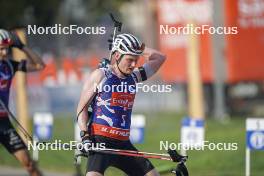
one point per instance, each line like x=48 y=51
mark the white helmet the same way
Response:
x=5 y=37
x=127 y=44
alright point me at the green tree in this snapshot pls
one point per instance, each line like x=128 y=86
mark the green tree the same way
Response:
x=22 y=12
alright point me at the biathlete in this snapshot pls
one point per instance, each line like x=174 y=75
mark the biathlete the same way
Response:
x=109 y=122
x=9 y=138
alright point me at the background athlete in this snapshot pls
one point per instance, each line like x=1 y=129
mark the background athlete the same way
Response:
x=9 y=138
x=111 y=117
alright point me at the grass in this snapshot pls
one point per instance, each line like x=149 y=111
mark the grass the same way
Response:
x=164 y=127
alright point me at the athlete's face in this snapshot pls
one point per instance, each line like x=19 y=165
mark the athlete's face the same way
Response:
x=128 y=63
x=3 y=51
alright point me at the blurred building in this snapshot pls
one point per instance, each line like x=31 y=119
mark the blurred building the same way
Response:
x=231 y=64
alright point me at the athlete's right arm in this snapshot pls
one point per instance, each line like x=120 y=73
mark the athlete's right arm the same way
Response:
x=87 y=95
x=154 y=60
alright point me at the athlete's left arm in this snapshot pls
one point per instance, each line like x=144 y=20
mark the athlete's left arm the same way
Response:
x=154 y=60
x=34 y=62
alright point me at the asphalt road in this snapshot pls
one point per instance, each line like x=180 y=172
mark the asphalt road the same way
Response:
x=10 y=171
